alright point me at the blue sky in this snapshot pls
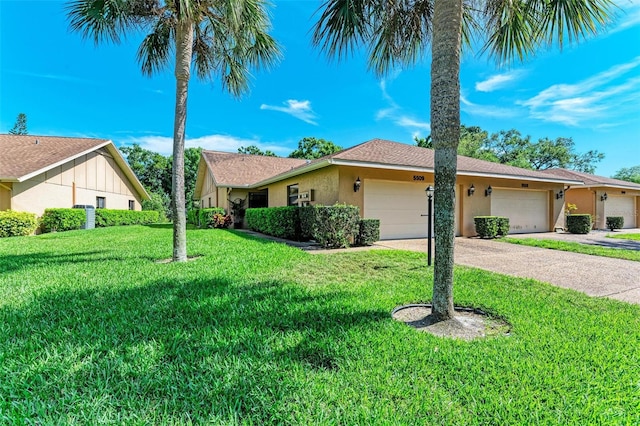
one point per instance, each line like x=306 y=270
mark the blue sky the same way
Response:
x=68 y=87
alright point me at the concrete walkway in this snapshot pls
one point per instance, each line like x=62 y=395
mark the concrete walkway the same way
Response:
x=594 y=275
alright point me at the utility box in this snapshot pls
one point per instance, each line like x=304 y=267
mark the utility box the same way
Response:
x=90 y=216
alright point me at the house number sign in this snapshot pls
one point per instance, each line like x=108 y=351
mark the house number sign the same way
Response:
x=418 y=177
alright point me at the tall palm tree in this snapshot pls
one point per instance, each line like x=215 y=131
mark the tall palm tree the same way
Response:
x=396 y=33
x=219 y=39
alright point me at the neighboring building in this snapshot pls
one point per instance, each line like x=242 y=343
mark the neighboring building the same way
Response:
x=393 y=178
x=601 y=196
x=39 y=172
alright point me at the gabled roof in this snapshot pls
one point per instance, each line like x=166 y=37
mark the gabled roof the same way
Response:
x=383 y=154
x=243 y=170
x=25 y=156
x=593 y=180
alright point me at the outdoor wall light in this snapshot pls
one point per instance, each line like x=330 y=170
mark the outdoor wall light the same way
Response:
x=488 y=191
x=604 y=197
x=471 y=190
x=356 y=185
x=559 y=195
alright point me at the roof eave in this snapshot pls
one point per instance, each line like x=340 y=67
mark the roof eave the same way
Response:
x=292 y=173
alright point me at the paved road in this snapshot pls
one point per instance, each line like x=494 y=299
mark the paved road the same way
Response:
x=594 y=275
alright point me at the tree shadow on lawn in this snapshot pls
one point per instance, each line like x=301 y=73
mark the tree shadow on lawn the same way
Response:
x=616 y=244
x=198 y=350
x=13 y=262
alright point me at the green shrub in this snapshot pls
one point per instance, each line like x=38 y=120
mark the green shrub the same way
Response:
x=193 y=217
x=307 y=216
x=281 y=222
x=160 y=203
x=503 y=226
x=206 y=217
x=369 y=232
x=220 y=220
x=579 y=223
x=486 y=226
x=336 y=226
x=109 y=217
x=615 y=222
x=58 y=220
x=15 y=224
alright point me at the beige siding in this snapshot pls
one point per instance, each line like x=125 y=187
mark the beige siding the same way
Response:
x=55 y=188
x=323 y=182
x=209 y=192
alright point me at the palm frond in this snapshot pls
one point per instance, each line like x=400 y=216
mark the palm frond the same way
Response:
x=101 y=20
x=155 y=50
x=343 y=26
x=510 y=29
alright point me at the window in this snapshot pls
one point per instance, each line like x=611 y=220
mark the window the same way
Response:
x=101 y=202
x=259 y=199
x=132 y=205
x=209 y=202
x=292 y=194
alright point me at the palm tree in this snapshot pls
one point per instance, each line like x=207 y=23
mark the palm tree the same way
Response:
x=397 y=33
x=219 y=39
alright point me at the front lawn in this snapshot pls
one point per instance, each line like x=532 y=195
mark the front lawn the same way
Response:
x=591 y=249
x=634 y=237
x=93 y=330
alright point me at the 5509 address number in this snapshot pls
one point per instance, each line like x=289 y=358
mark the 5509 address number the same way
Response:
x=417 y=177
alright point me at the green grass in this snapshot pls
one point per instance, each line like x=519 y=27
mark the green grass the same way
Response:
x=595 y=250
x=93 y=331
x=634 y=237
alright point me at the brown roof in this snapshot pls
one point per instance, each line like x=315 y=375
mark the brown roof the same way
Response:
x=24 y=155
x=237 y=170
x=388 y=153
x=592 y=180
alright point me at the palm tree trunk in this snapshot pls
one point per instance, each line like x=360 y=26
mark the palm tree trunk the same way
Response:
x=184 y=50
x=445 y=129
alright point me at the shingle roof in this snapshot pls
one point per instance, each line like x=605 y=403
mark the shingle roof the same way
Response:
x=380 y=151
x=237 y=170
x=23 y=155
x=592 y=180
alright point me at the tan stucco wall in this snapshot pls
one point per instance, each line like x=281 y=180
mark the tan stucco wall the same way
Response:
x=588 y=201
x=93 y=175
x=323 y=182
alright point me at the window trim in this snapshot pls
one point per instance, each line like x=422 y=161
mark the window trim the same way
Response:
x=290 y=195
x=104 y=202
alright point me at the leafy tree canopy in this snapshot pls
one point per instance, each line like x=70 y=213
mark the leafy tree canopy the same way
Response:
x=20 y=126
x=312 y=148
x=154 y=171
x=512 y=148
x=630 y=174
x=254 y=150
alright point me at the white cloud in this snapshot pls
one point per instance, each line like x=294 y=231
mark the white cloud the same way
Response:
x=497 y=81
x=593 y=98
x=484 y=110
x=394 y=113
x=298 y=109
x=629 y=17
x=226 y=143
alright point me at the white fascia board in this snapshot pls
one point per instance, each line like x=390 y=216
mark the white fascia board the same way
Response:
x=61 y=162
x=520 y=177
x=609 y=185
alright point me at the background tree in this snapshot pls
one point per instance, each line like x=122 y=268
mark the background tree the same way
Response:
x=397 y=33
x=20 y=126
x=218 y=39
x=630 y=174
x=254 y=150
x=312 y=148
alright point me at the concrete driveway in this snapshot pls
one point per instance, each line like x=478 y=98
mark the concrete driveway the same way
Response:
x=594 y=275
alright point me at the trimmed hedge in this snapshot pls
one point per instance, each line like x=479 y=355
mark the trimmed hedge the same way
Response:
x=16 y=224
x=281 y=222
x=206 y=217
x=58 y=220
x=193 y=216
x=369 y=232
x=491 y=226
x=336 y=226
x=615 y=222
x=108 y=217
x=579 y=223
x=307 y=216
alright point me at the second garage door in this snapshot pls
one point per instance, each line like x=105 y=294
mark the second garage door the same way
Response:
x=528 y=211
x=621 y=206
